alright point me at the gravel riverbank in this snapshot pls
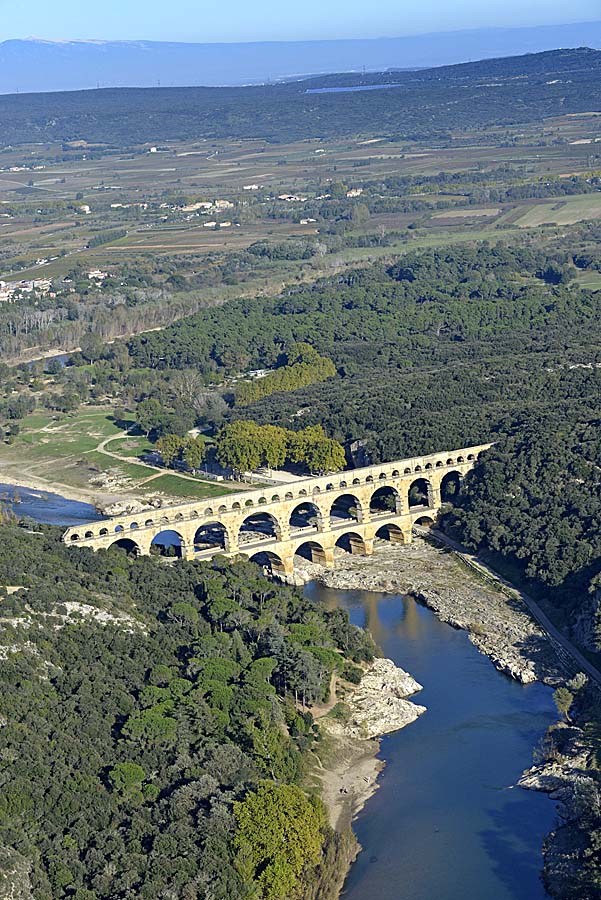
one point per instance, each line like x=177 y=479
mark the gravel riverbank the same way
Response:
x=499 y=626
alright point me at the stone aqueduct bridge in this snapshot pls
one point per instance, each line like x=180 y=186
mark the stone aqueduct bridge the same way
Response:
x=309 y=516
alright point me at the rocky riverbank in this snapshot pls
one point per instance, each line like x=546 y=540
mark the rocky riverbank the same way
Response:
x=351 y=729
x=498 y=625
x=567 y=771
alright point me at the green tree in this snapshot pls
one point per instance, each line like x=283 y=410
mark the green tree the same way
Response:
x=280 y=832
x=563 y=701
x=149 y=415
x=239 y=446
x=194 y=452
x=170 y=446
x=274 y=442
x=126 y=776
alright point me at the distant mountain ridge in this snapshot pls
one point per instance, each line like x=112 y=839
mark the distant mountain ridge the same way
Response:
x=425 y=104
x=34 y=65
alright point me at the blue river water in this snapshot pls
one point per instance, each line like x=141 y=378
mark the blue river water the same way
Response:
x=45 y=507
x=447 y=822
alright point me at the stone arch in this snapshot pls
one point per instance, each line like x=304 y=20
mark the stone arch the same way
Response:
x=385 y=499
x=356 y=481
x=194 y=514
x=104 y=532
x=424 y=521
x=382 y=476
x=168 y=542
x=75 y=537
x=211 y=536
x=289 y=496
x=259 y=526
x=248 y=504
x=275 y=499
x=148 y=523
x=470 y=457
x=346 y=507
x=262 y=501
x=306 y=515
x=236 y=505
x=351 y=542
x=343 y=485
x=271 y=563
x=316 y=489
x=449 y=486
x=222 y=509
x=179 y=517
x=460 y=459
x=407 y=471
x=420 y=493
x=127 y=544
x=396 y=473
x=417 y=469
x=369 y=479
x=439 y=464
x=119 y=529
x=133 y=526
x=302 y=493
x=163 y=520
x=313 y=552
x=429 y=466
x=392 y=533
x=329 y=487
x=89 y=534
x=208 y=512
x=449 y=462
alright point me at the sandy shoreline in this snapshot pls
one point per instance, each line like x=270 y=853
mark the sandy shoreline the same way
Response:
x=384 y=702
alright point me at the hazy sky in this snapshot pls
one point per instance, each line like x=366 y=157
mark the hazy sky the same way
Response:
x=245 y=20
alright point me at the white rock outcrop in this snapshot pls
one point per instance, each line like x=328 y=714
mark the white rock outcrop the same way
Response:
x=379 y=705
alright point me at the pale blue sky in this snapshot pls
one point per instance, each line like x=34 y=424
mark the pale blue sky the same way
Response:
x=245 y=20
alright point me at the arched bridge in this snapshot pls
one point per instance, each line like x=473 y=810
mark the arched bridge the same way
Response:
x=309 y=517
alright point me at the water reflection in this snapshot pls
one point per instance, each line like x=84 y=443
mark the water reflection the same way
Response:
x=447 y=822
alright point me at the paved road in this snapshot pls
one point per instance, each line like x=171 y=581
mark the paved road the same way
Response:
x=562 y=644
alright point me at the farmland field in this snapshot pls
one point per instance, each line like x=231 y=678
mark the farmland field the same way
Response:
x=564 y=212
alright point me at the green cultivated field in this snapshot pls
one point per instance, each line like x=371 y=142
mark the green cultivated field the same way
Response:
x=566 y=211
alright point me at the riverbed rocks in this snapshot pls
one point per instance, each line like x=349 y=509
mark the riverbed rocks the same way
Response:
x=375 y=707
x=498 y=625
x=379 y=705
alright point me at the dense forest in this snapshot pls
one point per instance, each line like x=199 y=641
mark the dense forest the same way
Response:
x=443 y=348
x=154 y=721
x=427 y=104
x=535 y=502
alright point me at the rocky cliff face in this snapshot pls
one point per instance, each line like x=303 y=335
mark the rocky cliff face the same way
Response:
x=587 y=625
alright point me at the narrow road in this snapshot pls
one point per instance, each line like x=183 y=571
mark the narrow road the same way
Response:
x=562 y=644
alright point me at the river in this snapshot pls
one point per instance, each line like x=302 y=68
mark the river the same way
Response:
x=447 y=823
x=45 y=507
